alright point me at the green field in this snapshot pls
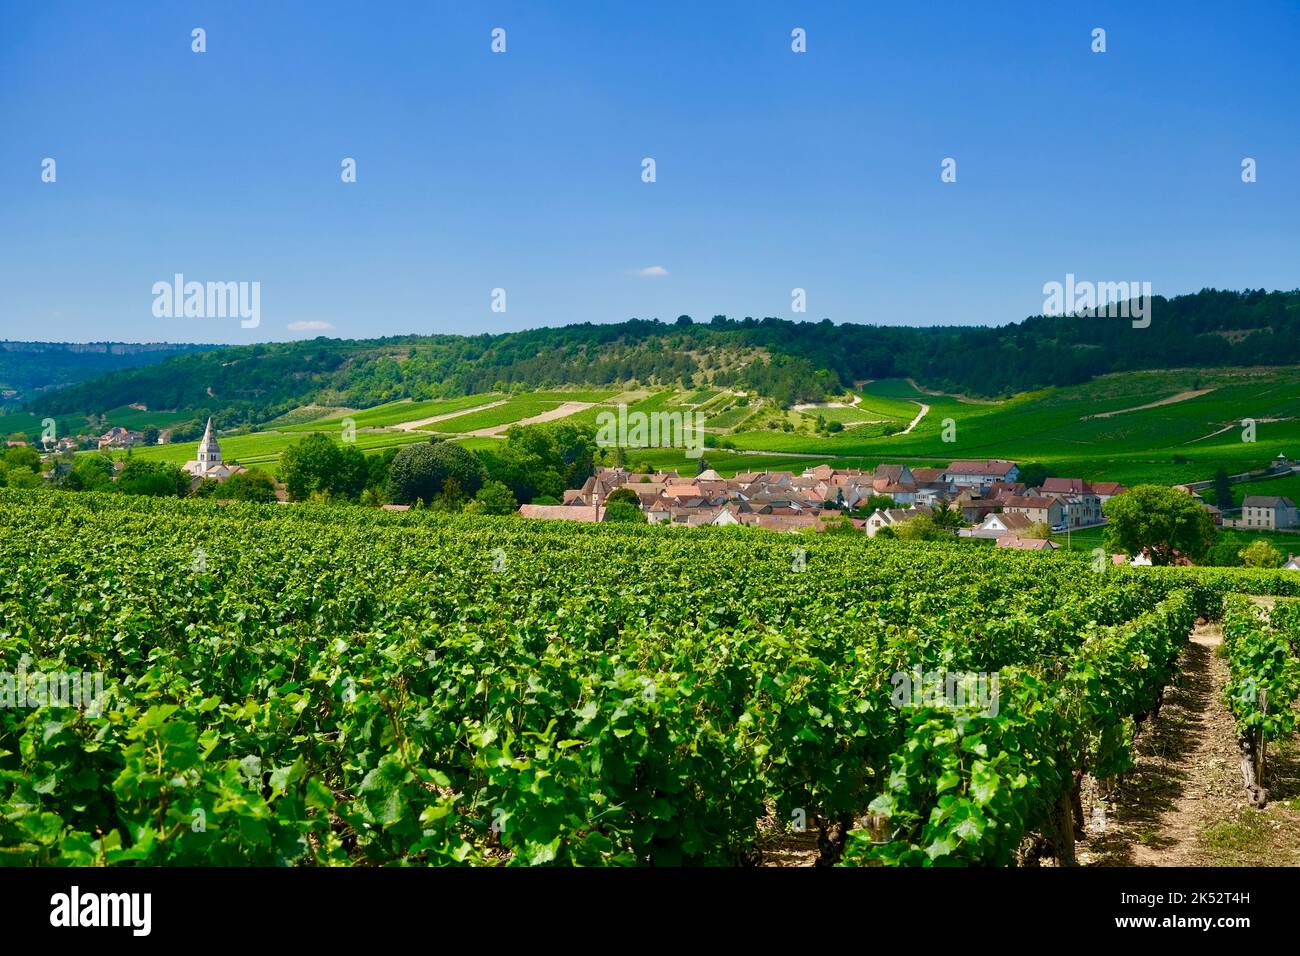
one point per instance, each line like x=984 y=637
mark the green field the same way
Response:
x=375 y=429
x=1167 y=444
x=731 y=418
x=69 y=425
x=1286 y=487
x=265 y=447
x=515 y=409
x=846 y=416
x=395 y=413
x=1054 y=426
x=701 y=396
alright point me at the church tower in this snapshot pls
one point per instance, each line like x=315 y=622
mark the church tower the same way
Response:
x=209 y=450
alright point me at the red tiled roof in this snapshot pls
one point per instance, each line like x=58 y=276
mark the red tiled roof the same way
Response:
x=928 y=474
x=1023 y=501
x=585 y=514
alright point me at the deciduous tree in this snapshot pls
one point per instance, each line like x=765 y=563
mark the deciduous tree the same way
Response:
x=1162 y=521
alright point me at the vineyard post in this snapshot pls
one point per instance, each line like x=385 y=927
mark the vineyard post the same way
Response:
x=1259 y=751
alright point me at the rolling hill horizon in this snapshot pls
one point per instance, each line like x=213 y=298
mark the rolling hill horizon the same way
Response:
x=787 y=361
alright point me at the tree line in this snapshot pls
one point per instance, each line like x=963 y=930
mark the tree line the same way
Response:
x=532 y=464
x=789 y=361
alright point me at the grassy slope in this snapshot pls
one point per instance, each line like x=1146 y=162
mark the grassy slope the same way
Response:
x=125 y=416
x=1287 y=487
x=394 y=413
x=516 y=409
x=374 y=426
x=1051 y=426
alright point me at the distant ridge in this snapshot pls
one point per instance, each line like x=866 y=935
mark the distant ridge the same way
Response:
x=788 y=361
x=30 y=369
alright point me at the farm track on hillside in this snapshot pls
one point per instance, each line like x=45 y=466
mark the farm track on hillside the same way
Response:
x=925 y=410
x=554 y=414
x=422 y=422
x=1171 y=400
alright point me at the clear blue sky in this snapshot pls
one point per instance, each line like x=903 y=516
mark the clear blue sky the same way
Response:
x=523 y=170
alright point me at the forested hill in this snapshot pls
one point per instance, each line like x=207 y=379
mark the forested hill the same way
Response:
x=790 y=361
x=28 y=369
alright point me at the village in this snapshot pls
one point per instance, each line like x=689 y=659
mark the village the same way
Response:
x=981 y=499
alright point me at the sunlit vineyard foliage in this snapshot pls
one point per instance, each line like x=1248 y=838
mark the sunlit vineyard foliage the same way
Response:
x=315 y=686
x=1263 y=650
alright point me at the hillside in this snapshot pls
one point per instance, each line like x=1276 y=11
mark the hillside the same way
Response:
x=30 y=369
x=790 y=362
x=1164 y=426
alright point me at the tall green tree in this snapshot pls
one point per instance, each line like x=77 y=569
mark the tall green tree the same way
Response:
x=1261 y=554
x=354 y=473
x=1162 y=521
x=1034 y=473
x=22 y=456
x=313 y=464
x=947 y=516
x=421 y=473
x=493 y=498
x=1222 y=490
x=90 y=473
x=543 y=460
x=248 y=486
x=621 y=511
x=624 y=494
x=19 y=478
x=159 y=479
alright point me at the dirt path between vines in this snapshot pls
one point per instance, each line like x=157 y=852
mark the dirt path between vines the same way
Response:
x=1184 y=803
x=1171 y=400
x=809 y=406
x=925 y=410
x=1231 y=425
x=563 y=411
x=422 y=422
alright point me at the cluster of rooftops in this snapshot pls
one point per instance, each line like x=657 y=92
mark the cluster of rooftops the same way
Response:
x=782 y=500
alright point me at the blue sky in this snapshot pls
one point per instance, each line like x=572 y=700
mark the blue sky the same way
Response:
x=522 y=170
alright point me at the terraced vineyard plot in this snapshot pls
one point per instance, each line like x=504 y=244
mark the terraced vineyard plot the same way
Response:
x=731 y=418
x=395 y=413
x=516 y=409
x=847 y=415
x=1169 y=444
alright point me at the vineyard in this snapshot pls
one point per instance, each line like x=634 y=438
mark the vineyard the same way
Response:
x=1263 y=649
x=315 y=686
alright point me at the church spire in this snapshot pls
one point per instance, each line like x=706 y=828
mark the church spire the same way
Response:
x=209 y=450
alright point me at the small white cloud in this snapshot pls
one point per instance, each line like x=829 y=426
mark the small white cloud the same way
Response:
x=309 y=326
x=652 y=272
